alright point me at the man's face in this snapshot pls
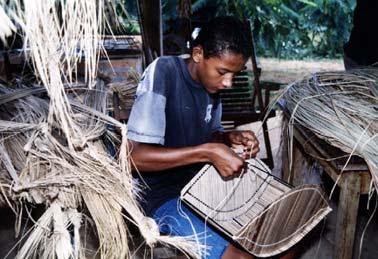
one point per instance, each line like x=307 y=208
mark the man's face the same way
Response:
x=216 y=73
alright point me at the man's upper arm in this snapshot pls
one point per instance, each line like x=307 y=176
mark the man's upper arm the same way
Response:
x=147 y=118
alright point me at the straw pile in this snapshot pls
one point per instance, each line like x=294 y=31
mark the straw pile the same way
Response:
x=342 y=109
x=126 y=90
x=51 y=149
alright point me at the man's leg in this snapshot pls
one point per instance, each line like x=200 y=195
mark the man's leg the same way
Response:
x=176 y=219
x=234 y=252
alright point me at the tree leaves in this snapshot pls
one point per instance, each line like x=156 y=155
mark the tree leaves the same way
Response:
x=282 y=28
x=291 y=29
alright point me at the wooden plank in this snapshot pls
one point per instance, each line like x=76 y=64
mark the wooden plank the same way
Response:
x=347 y=216
x=329 y=166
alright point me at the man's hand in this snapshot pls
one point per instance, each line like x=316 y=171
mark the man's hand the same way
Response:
x=225 y=160
x=152 y=158
x=246 y=141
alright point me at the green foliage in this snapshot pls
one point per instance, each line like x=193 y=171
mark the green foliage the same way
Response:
x=122 y=17
x=291 y=29
x=282 y=28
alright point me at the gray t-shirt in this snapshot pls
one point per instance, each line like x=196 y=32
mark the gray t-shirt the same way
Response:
x=171 y=110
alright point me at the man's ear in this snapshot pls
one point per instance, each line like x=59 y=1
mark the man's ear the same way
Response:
x=197 y=54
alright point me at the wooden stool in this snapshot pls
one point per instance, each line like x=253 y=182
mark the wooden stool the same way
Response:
x=354 y=180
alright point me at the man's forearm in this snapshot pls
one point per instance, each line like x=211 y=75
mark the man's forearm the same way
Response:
x=150 y=158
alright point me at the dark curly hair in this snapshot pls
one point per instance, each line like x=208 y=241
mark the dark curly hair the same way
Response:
x=224 y=34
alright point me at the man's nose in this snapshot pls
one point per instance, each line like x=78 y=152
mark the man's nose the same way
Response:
x=227 y=82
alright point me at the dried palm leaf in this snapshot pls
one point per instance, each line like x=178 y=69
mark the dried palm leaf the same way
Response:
x=341 y=108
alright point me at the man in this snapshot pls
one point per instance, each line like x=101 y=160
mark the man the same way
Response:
x=175 y=127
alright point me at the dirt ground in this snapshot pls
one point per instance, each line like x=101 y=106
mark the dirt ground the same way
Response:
x=287 y=71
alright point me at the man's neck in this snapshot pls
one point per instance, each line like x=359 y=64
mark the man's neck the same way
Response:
x=192 y=68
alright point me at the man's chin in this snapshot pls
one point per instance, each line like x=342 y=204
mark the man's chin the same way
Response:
x=212 y=91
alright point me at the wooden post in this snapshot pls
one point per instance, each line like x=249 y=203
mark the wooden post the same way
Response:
x=151 y=28
x=347 y=215
x=257 y=92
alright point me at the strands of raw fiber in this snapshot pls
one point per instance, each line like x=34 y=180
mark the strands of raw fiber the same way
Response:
x=16 y=132
x=63 y=159
x=6 y=25
x=57 y=245
x=342 y=109
x=113 y=225
x=53 y=48
x=51 y=172
x=65 y=32
x=5 y=186
x=45 y=56
x=126 y=90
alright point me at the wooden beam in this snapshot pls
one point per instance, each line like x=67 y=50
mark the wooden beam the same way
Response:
x=150 y=13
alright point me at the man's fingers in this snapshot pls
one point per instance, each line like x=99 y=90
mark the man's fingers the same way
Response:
x=249 y=142
x=249 y=138
x=245 y=144
x=242 y=137
x=248 y=134
x=254 y=152
x=250 y=152
x=239 y=139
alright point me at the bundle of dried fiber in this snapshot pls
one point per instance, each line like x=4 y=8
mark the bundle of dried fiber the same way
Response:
x=126 y=90
x=52 y=173
x=61 y=162
x=341 y=108
x=6 y=26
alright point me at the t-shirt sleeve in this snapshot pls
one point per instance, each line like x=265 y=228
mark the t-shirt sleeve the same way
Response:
x=216 y=123
x=147 y=120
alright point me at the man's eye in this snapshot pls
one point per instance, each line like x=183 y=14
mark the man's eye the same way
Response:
x=221 y=73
